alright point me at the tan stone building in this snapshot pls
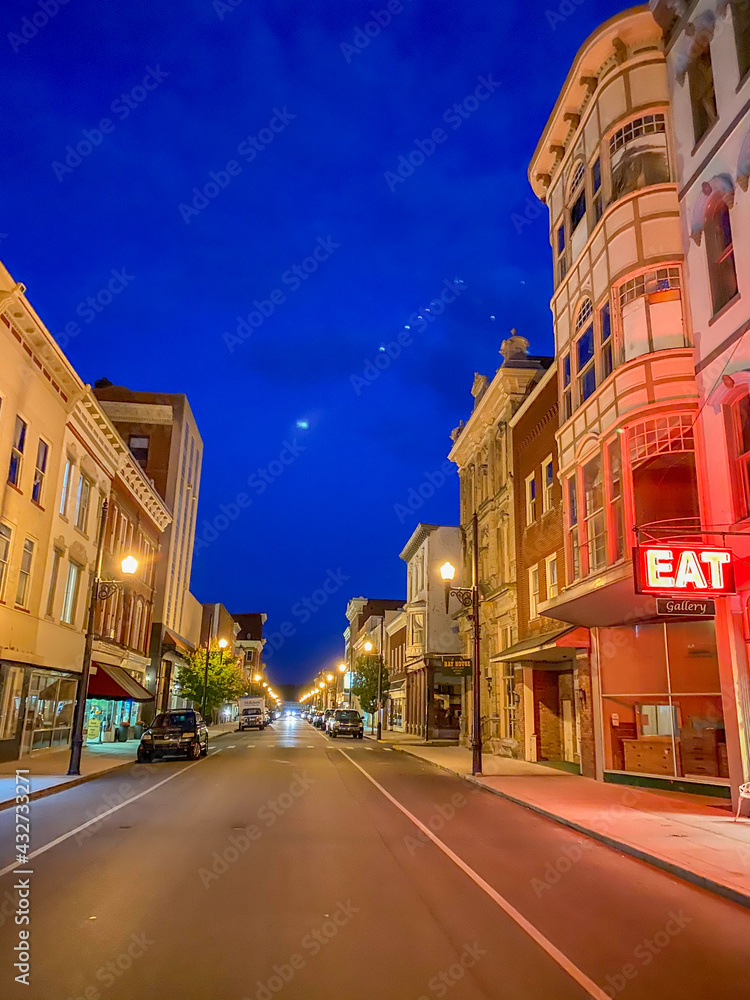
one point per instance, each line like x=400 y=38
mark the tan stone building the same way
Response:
x=482 y=451
x=60 y=457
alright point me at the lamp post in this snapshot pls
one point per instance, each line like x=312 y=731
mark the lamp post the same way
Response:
x=469 y=597
x=368 y=649
x=342 y=671
x=100 y=591
x=222 y=647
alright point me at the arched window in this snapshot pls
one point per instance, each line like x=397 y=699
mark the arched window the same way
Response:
x=720 y=252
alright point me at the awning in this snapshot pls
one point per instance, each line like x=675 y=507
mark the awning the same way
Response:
x=551 y=647
x=115 y=684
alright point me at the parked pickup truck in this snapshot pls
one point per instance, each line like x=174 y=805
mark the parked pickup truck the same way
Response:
x=252 y=713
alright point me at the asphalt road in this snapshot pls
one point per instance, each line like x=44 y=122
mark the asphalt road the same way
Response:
x=288 y=864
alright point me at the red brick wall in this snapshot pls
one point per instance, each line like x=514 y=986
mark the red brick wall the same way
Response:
x=533 y=441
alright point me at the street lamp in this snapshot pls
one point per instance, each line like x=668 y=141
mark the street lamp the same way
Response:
x=256 y=677
x=342 y=671
x=469 y=597
x=101 y=590
x=368 y=649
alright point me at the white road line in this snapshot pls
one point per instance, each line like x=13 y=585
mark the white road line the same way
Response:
x=229 y=748
x=536 y=935
x=99 y=817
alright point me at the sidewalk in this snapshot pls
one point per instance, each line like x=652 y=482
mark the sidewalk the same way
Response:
x=690 y=836
x=48 y=771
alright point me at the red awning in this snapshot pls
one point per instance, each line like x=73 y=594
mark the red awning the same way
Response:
x=115 y=684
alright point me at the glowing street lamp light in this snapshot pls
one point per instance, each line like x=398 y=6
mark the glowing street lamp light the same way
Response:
x=447 y=571
x=256 y=677
x=129 y=565
x=368 y=646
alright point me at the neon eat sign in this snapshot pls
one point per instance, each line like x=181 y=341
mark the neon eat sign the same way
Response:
x=674 y=570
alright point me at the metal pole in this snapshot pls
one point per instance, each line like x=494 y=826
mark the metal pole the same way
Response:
x=380 y=681
x=83 y=681
x=476 y=741
x=205 y=672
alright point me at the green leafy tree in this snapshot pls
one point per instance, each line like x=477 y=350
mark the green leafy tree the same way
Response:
x=365 y=681
x=225 y=681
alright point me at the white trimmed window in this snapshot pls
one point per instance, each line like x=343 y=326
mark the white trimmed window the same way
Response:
x=530 y=498
x=65 y=494
x=548 y=482
x=40 y=471
x=70 y=599
x=24 y=574
x=82 y=502
x=5 y=538
x=533 y=592
x=16 y=452
x=550 y=571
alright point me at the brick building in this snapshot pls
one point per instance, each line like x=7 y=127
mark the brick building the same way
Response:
x=161 y=433
x=547 y=671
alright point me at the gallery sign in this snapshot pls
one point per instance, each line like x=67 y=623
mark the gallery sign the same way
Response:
x=686 y=607
x=681 y=570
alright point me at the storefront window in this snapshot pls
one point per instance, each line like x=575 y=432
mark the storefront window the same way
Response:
x=10 y=707
x=49 y=712
x=661 y=700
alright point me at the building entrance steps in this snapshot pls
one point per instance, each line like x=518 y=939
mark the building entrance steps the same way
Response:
x=690 y=836
x=48 y=770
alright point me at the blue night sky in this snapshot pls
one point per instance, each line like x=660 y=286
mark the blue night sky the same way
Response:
x=304 y=139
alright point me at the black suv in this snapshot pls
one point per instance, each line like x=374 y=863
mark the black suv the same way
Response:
x=344 y=722
x=173 y=734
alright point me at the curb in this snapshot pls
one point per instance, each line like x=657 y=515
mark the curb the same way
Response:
x=655 y=860
x=80 y=779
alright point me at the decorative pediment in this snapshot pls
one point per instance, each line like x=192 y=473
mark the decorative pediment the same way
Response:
x=78 y=553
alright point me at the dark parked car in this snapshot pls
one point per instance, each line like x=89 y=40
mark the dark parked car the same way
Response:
x=345 y=722
x=318 y=720
x=173 y=734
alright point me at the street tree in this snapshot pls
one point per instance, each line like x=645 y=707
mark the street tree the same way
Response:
x=365 y=681
x=225 y=680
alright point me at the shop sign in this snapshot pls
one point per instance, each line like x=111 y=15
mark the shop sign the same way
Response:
x=686 y=607
x=682 y=570
x=459 y=666
x=92 y=730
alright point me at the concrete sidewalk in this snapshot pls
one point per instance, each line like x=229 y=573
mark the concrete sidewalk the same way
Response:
x=691 y=836
x=48 y=771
